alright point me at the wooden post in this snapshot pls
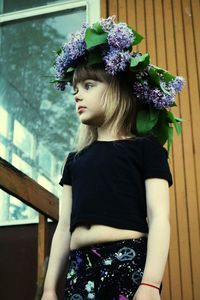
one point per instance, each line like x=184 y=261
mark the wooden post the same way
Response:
x=42 y=259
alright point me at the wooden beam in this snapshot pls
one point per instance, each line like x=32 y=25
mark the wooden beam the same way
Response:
x=42 y=259
x=19 y=185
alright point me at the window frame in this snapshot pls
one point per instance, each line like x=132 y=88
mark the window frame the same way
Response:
x=92 y=8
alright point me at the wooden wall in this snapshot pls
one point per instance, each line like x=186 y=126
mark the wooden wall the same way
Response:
x=171 y=31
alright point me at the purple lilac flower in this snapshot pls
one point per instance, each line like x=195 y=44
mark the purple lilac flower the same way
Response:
x=75 y=48
x=153 y=96
x=115 y=60
x=177 y=84
x=141 y=90
x=107 y=24
x=62 y=63
x=120 y=36
x=76 y=45
x=159 y=99
x=60 y=86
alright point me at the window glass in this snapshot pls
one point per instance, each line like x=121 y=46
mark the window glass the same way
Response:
x=20 y=164
x=45 y=183
x=3 y=121
x=39 y=122
x=2 y=151
x=18 y=210
x=10 y=5
x=4 y=206
x=23 y=139
x=45 y=159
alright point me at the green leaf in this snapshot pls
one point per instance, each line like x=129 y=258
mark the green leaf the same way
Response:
x=155 y=72
x=155 y=78
x=176 y=121
x=153 y=115
x=140 y=62
x=58 y=51
x=167 y=76
x=92 y=38
x=161 y=128
x=138 y=37
x=146 y=120
x=70 y=69
x=170 y=138
x=94 y=57
x=68 y=76
x=179 y=119
x=98 y=28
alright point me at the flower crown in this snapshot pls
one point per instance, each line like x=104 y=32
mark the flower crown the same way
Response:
x=111 y=44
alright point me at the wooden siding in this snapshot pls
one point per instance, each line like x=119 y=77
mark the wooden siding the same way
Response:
x=171 y=31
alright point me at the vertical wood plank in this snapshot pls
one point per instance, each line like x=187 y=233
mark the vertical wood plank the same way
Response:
x=183 y=195
x=195 y=4
x=193 y=159
x=161 y=61
x=159 y=33
x=176 y=162
x=166 y=283
x=131 y=13
x=141 y=24
x=171 y=31
x=122 y=7
x=103 y=8
x=150 y=30
x=113 y=9
x=42 y=240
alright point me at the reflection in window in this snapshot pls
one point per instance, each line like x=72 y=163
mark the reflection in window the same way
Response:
x=10 y=5
x=4 y=206
x=23 y=139
x=21 y=165
x=45 y=159
x=2 y=151
x=3 y=121
x=18 y=210
x=45 y=183
x=39 y=123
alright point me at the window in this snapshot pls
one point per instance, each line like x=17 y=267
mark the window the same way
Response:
x=38 y=123
x=10 y=5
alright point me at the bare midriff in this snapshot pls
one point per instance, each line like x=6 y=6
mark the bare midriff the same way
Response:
x=85 y=235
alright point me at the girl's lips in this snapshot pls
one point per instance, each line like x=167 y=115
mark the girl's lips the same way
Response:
x=81 y=109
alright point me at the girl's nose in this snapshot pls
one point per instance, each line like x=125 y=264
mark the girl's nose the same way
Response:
x=77 y=97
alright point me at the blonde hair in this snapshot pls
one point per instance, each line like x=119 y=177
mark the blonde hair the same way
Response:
x=120 y=106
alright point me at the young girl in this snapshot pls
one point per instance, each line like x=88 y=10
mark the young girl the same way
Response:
x=113 y=228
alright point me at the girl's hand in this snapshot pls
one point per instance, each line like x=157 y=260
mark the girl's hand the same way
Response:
x=147 y=293
x=49 y=295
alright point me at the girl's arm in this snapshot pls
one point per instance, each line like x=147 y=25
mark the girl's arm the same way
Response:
x=157 y=196
x=60 y=245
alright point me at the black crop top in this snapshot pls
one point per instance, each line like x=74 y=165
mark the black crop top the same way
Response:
x=107 y=179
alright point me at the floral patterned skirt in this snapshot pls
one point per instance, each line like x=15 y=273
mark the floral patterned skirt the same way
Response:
x=106 y=271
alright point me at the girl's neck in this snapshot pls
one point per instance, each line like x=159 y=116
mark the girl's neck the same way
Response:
x=106 y=135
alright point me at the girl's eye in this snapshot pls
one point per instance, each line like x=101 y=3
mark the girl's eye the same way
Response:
x=86 y=85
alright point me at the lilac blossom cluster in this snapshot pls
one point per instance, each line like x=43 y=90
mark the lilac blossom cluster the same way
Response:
x=115 y=57
x=120 y=37
x=72 y=50
x=155 y=96
x=116 y=60
x=177 y=84
x=107 y=24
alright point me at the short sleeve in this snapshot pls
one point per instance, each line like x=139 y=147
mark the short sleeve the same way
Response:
x=66 y=175
x=155 y=160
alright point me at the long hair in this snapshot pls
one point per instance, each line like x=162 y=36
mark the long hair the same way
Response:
x=119 y=105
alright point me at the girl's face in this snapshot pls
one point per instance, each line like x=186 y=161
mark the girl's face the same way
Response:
x=89 y=94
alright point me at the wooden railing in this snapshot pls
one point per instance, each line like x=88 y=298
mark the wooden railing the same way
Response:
x=19 y=185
